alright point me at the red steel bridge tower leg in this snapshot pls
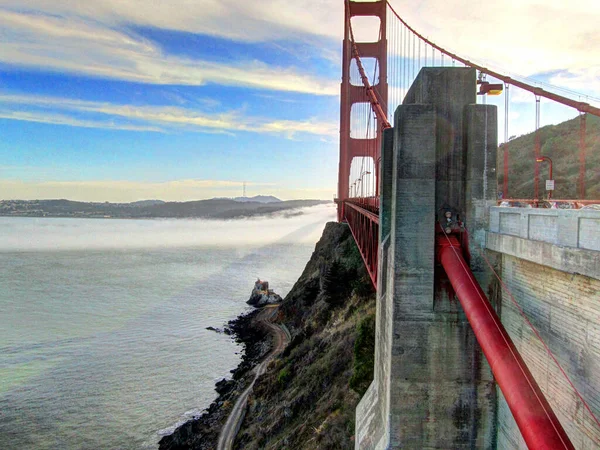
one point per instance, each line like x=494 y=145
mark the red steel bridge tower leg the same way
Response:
x=351 y=147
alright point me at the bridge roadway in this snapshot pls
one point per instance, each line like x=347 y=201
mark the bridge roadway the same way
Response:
x=280 y=341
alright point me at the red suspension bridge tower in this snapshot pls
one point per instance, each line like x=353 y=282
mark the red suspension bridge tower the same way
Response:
x=360 y=93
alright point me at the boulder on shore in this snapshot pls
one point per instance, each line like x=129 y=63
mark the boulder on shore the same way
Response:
x=262 y=295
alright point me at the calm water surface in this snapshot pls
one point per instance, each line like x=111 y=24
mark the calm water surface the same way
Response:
x=103 y=340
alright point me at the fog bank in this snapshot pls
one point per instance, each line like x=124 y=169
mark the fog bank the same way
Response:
x=46 y=234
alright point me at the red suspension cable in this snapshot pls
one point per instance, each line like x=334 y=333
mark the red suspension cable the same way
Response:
x=580 y=106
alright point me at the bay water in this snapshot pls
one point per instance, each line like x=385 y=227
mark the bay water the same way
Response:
x=103 y=339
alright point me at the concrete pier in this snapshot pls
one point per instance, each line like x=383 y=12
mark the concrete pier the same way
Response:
x=432 y=387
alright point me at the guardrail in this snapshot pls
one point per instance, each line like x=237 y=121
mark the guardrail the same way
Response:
x=549 y=204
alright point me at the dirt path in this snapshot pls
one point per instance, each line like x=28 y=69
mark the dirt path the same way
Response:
x=234 y=421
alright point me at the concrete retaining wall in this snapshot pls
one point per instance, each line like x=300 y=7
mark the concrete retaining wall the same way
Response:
x=551 y=265
x=565 y=309
x=569 y=228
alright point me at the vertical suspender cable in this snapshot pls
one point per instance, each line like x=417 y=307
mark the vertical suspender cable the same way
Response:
x=506 y=104
x=404 y=57
x=582 y=130
x=414 y=55
x=536 y=178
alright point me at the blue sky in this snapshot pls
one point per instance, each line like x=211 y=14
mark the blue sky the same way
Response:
x=122 y=100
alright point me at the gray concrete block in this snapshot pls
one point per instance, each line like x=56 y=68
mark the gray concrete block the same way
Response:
x=565 y=259
x=589 y=233
x=509 y=223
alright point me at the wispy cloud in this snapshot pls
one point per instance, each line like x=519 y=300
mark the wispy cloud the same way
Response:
x=65 y=111
x=85 y=46
x=233 y=19
x=96 y=38
x=524 y=37
x=61 y=119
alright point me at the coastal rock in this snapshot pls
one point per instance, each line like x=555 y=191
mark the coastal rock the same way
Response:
x=262 y=295
x=225 y=386
x=202 y=432
x=216 y=330
x=315 y=381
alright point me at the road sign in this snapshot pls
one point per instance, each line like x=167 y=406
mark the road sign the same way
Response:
x=549 y=185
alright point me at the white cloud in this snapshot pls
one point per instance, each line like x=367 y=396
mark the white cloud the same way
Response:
x=87 y=47
x=233 y=19
x=61 y=119
x=153 y=118
x=525 y=37
x=585 y=81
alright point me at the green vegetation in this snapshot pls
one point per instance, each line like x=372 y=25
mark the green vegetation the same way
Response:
x=336 y=283
x=284 y=376
x=304 y=400
x=364 y=355
x=216 y=208
x=560 y=143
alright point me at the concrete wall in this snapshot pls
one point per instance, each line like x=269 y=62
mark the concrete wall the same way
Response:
x=432 y=387
x=565 y=309
x=569 y=228
x=558 y=287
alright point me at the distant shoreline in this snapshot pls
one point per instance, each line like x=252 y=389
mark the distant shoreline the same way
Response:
x=214 y=209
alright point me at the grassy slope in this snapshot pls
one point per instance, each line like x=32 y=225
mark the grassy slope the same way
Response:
x=308 y=397
x=561 y=143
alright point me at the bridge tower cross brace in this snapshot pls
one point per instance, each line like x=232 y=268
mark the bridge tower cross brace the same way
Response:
x=352 y=147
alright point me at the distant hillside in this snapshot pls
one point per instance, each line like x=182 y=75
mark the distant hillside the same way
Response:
x=258 y=198
x=213 y=209
x=560 y=143
x=146 y=203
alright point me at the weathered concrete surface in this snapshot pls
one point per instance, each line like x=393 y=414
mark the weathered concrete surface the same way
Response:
x=565 y=309
x=565 y=259
x=551 y=268
x=450 y=90
x=432 y=387
x=568 y=228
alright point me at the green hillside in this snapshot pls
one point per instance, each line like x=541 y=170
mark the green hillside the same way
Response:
x=560 y=143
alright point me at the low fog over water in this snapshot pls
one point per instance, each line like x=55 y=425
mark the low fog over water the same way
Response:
x=292 y=226
x=103 y=340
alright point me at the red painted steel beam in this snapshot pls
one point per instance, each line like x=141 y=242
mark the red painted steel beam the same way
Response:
x=364 y=226
x=365 y=212
x=377 y=109
x=539 y=425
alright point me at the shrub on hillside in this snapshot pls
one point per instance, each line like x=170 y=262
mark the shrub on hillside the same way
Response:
x=364 y=355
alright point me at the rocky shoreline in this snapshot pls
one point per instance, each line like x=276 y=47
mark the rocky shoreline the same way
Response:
x=202 y=432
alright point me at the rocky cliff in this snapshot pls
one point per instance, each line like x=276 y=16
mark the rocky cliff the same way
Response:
x=307 y=397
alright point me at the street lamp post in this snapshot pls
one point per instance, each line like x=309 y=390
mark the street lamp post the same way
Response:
x=540 y=159
x=366 y=172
